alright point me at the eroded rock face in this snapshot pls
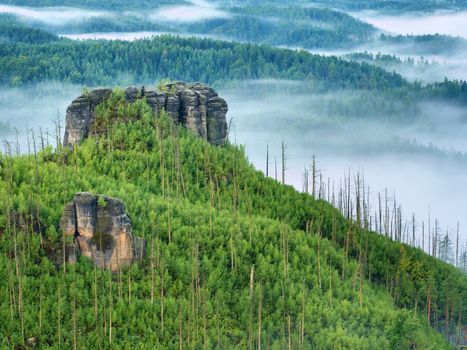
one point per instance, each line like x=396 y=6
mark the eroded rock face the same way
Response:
x=99 y=228
x=196 y=106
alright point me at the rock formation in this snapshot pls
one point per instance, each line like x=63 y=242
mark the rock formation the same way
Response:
x=196 y=106
x=99 y=228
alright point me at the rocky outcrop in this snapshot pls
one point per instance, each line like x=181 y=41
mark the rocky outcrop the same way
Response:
x=196 y=106
x=99 y=228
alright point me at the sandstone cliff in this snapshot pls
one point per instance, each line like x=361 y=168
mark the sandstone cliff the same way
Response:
x=99 y=228
x=196 y=106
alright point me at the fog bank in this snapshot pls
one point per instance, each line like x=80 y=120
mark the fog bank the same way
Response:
x=36 y=108
x=424 y=174
x=52 y=15
x=450 y=23
x=415 y=159
x=198 y=11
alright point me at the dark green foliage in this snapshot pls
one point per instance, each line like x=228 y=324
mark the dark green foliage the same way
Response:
x=385 y=6
x=430 y=44
x=101 y=62
x=104 y=24
x=96 y=4
x=296 y=27
x=104 y=62
x=13 y=32
x=223 y=242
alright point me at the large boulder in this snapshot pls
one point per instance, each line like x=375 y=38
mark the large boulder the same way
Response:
x=196 y=106
x=99 y=228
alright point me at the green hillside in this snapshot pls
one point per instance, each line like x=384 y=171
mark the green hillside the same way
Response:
x=234 y=259
x=96 y=4
x=12 y=31
x=116 y=62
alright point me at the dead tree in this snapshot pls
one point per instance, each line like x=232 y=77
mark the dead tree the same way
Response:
x=457 y=246
x=284 y=160
x=313 y=177
x=267 y=160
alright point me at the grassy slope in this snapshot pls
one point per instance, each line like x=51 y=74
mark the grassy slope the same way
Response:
x=210 y=219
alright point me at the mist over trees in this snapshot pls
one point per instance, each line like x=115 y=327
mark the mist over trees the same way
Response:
x=209 y=218
x=281 y=256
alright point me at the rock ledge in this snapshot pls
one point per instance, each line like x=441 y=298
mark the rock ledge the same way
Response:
x=196 y=106
x=99 y=228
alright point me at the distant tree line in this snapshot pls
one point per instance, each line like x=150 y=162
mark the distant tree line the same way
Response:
x=13 y=32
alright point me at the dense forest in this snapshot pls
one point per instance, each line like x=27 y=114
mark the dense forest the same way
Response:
x=13 y=32
x=97 y=62
x=430 y=44
x=105 y=24
x=230 y=256
x=309 y=28
x=391 y=6
x=381 y=5
x=233 y=259
x=109 y=4
x=103 y=62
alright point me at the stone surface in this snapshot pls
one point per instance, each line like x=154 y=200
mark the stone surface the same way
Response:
x=99 y=228
x=196 y=106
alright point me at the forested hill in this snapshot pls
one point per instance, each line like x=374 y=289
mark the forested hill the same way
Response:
x=96 y=4
x=306 y=27
x=97 y=62
x=385 y=6
x=13 y=32
x=233 y=259
x=103 y=62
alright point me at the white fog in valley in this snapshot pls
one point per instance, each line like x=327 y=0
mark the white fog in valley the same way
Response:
x=424 y=178
x=417 y=160
x=449 y=65
x=421 y=156
x=196 y=11
x=450 y=23
x=52 y=15
x=34 y=108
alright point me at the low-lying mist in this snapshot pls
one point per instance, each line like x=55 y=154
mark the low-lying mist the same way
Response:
x=419 y=152
x=449 y=22
x=420 y=158
x=415 y=66
x=445 y=60
x=34 y=108
x=197 y=11
x=52 y=15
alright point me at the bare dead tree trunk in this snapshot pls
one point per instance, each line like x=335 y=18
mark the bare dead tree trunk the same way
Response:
x=267 y=160
x=275 y=168
x=457 y=246
x=423 y=235
x=313 y=177
x=284 y=160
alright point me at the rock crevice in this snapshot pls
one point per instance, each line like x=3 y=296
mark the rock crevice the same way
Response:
x=196 y=106
x=99 y=228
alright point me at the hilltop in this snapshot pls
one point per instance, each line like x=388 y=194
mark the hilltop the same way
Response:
x=233 y=259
